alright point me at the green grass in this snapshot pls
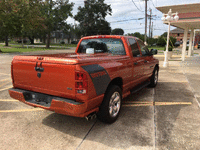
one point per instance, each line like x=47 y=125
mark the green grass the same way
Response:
x=52 y=44
x=19 y=49
x=68 y=45
x=156 y=47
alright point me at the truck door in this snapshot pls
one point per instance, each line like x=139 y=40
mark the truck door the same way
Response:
x=146 y=60
x=136 y=61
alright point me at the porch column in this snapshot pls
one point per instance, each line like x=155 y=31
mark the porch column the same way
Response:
x=184 y=43
x=190 y=44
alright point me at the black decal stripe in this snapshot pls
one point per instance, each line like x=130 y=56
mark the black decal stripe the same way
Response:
x=100 y=82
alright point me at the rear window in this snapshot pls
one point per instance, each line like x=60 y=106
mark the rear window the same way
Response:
x=103 y=45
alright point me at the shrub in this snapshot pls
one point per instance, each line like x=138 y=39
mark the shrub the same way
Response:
x=161 y=41
x=170 y=48
x=62 y=42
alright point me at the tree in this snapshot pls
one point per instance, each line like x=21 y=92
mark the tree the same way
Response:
x=117 y=31
x=164 y=34
x=30 y=19
x=161 y=41
x=172 y=41
x=55 y=14
x=137 y=34
x=78 y=31
x=152 y=41
x=92 y=17
x=8 y=20
x=19 y=18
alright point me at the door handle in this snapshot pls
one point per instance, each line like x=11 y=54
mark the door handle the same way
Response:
x=135 y=63
x=39 y=69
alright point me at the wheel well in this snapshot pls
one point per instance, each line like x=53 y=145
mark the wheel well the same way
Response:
x=116 y=81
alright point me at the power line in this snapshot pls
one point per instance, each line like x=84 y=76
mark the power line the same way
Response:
x=134 y=29
x=125 y=20
x=136 y=6
x=153 y=4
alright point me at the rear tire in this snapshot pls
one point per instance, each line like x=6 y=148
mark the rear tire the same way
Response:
x=154 y=78
x=111 y=105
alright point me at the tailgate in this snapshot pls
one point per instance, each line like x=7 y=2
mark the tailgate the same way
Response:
x=42 y=76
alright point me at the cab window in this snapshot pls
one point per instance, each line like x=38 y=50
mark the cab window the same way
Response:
x=134 y=47
x=103 y=45
x=144 y=49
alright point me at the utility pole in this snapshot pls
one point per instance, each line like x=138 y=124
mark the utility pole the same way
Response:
x=145 y=35
x=152 y=30
x=150 y=22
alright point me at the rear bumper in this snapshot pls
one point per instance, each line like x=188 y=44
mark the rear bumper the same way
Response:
x=48 y=102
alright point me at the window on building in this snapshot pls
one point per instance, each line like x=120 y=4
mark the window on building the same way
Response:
x=178 y=34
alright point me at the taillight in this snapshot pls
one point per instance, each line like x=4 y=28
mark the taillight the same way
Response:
x=12 y=73
x=81 y=83
x=80 y=76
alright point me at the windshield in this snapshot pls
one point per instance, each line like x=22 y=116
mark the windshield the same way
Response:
x=104 y=45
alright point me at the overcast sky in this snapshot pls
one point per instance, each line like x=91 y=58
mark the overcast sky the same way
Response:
x=126 y=10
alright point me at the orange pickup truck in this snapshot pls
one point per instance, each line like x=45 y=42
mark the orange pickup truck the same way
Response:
x=92 y=81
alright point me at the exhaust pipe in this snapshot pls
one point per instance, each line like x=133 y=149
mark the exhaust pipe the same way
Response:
x=91 y=116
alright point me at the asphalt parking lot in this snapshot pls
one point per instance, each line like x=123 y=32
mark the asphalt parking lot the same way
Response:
x=162 y=118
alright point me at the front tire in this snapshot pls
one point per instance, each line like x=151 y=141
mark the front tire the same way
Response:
x=111 y=105
x=154 y=78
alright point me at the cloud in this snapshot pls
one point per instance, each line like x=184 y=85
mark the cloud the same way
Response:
x=125 y=10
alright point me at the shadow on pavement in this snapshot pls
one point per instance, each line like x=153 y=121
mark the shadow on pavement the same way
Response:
x=133 y=127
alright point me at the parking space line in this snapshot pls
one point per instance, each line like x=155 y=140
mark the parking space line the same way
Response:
x=8 y=100
x=136 y=105
x=4 y=83
x=5 y=79
x=132 y=104
x=174 y=81
x=21 y=110
x=172 y=103
x=4 y=74
x=5 y=88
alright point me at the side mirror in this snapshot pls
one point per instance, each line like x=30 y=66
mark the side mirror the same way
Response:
x=154 y=51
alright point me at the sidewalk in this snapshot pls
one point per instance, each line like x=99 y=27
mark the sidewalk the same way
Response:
x=177 y=126
x=176 y=54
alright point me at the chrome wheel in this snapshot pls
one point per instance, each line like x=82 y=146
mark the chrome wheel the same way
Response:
x=114 y=105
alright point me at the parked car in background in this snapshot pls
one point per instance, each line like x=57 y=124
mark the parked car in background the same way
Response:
x=62 y=42
x=176 y=44
x=188 y=42
x=20 y=41
x=74 y=42
x=155 y=44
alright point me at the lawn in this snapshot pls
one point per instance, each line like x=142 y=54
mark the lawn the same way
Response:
x=52 y=44
x=156 y=47
x=18 y=48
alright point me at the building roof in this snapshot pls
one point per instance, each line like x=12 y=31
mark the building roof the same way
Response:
x=177 y=30
x=189 y=15
x=182 y=8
